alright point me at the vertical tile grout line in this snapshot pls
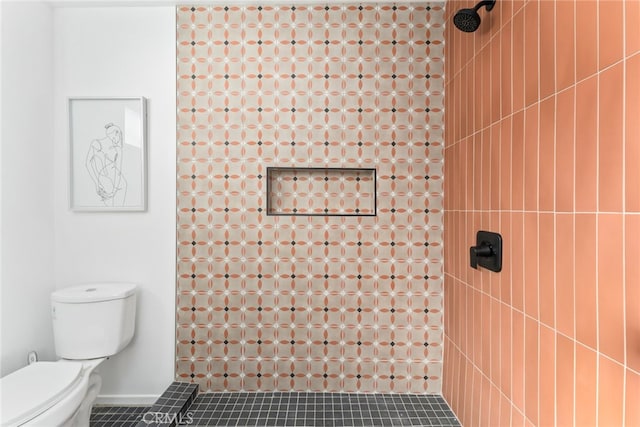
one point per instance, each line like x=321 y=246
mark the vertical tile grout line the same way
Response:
x=523 y=209
x=573 y=215
x=510 y=307
x=538 y=211
x=555 y=208
x=463 y=363
x=624 y=209
x=467 y=290
x=492 y=187
x=501 y=163
x=597 y=239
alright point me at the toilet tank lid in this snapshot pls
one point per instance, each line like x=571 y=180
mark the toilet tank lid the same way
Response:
x=94 y=292
x=35 y=388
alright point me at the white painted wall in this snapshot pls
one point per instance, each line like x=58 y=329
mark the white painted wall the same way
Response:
x=26 y=221
x=122 y=51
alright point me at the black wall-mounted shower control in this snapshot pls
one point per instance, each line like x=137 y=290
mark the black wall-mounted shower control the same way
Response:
x=487 y=252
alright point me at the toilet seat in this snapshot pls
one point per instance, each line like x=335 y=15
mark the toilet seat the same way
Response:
x=33 y=389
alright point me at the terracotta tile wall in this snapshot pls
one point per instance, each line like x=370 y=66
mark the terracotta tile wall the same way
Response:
x=309 y=303
x=543 y=146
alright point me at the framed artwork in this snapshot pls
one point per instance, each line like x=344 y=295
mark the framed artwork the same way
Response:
x=107 y=154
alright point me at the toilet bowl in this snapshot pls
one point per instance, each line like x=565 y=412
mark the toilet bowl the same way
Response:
x=50 y=394
x=90 y=323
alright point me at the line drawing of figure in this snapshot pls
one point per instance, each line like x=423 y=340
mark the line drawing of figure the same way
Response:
x=104 y=163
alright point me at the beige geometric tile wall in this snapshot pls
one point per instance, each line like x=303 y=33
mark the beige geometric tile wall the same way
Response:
x=322 y=303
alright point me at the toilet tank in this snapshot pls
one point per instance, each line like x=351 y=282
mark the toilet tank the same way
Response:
x=93 y=320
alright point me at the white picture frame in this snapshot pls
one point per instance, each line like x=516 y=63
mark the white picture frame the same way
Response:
x=107 y=154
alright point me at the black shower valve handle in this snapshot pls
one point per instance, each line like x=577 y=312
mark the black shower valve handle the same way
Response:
x=487 y=252
x=484 y=249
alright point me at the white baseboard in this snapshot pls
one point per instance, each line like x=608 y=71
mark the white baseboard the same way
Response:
x=127 y=399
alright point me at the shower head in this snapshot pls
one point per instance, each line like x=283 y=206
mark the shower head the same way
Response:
x=468 y=20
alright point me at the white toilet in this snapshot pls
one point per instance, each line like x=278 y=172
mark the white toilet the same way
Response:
x=90 y=323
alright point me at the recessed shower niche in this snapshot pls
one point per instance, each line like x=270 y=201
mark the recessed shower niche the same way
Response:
x=321 y=191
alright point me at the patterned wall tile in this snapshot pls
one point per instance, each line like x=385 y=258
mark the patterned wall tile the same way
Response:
x=349 y=304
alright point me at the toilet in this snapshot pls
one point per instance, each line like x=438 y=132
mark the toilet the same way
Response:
x=90 y=323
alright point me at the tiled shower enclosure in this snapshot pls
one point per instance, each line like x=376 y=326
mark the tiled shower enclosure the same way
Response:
x=309 y=303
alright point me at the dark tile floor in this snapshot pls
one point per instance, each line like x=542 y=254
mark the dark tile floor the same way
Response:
x=171 y=406
x=298 y=409
x=117 y=416
x=320 y=409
